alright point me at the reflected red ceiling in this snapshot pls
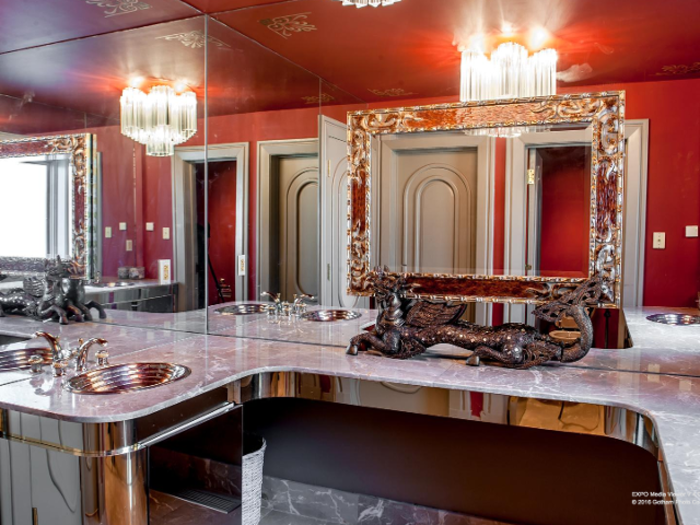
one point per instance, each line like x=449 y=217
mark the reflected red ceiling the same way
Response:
x=409 y=47
x=215 y=6
x=31 y=23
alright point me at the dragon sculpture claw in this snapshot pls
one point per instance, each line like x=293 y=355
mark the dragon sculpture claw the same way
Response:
x=407 y=327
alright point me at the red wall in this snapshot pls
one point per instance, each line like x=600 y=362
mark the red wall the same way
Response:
x=564 y=235
x=672 y=276
x=222 y=224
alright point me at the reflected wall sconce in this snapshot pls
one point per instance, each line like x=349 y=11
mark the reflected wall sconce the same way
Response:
x=365 y=3
x=159 y=119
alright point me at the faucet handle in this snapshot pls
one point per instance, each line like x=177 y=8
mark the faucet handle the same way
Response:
x=102 y=358
x=274 y=296
x=59 y=368
x=36 y=363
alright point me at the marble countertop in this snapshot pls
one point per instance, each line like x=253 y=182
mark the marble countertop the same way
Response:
x=659 y=377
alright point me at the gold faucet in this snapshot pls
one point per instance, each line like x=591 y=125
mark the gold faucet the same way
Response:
x=299 y=307
x=58 y=355
x=82 y=353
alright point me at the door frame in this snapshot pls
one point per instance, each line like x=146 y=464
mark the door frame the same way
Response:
x=267 y=149
x=184 y=206
x=634 y=220
x=485 y=196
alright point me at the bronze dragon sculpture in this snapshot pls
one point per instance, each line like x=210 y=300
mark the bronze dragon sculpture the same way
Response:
x=58 y=295
x=407 y=327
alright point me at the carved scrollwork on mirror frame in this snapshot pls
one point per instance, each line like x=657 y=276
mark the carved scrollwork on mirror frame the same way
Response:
x=80 y=149
x=604 y=112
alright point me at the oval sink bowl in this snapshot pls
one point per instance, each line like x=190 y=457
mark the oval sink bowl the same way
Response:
x=120 y=379
x=242 y=309
x=675 y=319
x=117 y=284
x=19 y=359
x=331 y=316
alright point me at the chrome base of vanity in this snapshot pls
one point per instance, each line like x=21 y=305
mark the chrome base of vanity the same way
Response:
x=113 y=456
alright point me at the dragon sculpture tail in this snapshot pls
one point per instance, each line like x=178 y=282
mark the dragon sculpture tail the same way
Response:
x=574 y=304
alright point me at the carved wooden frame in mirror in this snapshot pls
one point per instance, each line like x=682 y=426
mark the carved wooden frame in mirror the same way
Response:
x=604 y=112
x=81 y=151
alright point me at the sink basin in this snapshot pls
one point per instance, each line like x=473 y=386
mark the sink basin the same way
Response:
x=331 y=316
x=19 y=359
x=9 y=339
x=116 y=284
x=120 y=379
x=675 y=319
x=242 y=309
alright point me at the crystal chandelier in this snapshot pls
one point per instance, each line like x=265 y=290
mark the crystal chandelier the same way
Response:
x=511 y=73
x=160 y=119
x=365 y=3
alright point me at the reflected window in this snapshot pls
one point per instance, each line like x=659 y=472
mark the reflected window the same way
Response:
x=36 y=193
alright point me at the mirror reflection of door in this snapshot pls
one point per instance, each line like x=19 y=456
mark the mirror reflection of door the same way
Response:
x=289 y=215
x=428 y=206
x=297 y=224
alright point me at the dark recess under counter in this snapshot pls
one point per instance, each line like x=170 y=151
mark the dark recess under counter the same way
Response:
x=512 y=474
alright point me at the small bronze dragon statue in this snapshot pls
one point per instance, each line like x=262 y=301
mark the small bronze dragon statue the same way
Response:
x=58 y=295
x=407 y=327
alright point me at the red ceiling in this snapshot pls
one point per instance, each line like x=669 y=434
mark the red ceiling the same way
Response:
x=378 y=55
x=409 y=45
x=28 y=23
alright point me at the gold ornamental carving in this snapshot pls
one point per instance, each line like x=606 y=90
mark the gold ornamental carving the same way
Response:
x=604 y=112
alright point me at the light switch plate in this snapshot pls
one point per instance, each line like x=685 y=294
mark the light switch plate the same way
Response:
x=122 y=226
x=166 y=233
x=150 y=226
x=241 y=265
x=659 y=240
x=108 y=232
x=691 y=231
x=129 y=245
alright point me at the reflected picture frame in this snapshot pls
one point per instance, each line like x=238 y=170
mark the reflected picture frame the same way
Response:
x=604 y=112
x=81 y=151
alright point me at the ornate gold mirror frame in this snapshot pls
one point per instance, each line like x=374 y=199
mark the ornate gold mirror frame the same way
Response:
x=81 y=151
x=604 y=112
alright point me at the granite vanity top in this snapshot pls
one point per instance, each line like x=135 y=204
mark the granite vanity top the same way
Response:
x=659 y=377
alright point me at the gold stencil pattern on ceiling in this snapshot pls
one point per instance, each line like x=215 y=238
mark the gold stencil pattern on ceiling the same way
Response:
x=680 y=69
x=325 y=97
x=193 y=39
x=391 y=92
x=286 y=25
x=119 y=7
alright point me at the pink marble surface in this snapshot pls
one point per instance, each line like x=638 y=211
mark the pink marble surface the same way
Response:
x=670 y=399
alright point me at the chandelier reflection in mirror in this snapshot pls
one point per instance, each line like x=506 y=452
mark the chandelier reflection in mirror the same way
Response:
x=160 y=120
x=365 y=3
x=510 y=73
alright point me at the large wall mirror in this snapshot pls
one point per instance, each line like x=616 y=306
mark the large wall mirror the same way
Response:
x=422 y=180
x=257 y=198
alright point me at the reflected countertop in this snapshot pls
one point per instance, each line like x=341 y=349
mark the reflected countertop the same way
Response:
x=659 y=377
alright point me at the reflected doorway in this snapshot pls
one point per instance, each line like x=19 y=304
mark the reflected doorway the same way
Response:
x=219 y=271
x=228 y=220
x=288 y=222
